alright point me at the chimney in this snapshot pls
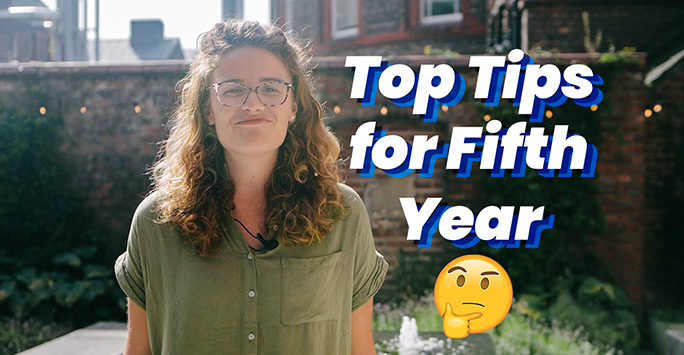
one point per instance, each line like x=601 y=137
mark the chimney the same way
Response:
x=146 y=32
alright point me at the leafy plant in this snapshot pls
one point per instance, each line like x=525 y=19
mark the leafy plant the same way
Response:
x=51 y=259
x=596 y=310
x=17 y=335
x=520 y=334
x=414 y=276
x=73 y=281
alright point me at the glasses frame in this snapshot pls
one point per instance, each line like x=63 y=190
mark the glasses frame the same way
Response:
x=250 y=89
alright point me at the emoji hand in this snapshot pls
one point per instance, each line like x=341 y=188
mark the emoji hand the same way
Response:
x=456 y=326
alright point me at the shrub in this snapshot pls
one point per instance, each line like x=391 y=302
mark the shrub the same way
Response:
x=50 y=252
x=17 y=335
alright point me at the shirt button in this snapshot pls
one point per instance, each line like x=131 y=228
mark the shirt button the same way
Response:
x=250 y=293
x=249 y=256
x=251 y=336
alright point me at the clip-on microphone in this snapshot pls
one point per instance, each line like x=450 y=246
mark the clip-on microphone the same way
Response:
x=268 y=244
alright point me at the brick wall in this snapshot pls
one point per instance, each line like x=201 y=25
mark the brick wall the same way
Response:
x=664 y=190
x=387 y=28
x=557 y=25
x=110 y=146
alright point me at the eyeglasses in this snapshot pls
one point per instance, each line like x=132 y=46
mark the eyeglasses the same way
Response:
x=270 y=93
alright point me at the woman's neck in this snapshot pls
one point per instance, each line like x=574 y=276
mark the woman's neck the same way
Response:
x=251 y=175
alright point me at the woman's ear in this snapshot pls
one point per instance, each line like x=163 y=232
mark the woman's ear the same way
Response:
x=294 y=109
x=209 y=116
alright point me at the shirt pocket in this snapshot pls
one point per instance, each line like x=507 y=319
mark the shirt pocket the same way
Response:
x=311 y=289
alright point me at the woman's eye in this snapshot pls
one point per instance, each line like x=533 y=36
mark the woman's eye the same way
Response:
x=270 y=90
x=233 y=91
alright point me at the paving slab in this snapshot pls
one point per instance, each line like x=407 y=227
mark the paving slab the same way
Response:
x=102 y=338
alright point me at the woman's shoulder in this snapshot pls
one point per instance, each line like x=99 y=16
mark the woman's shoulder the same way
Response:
x=147 y=214
x=350 y=197
x=149 y=206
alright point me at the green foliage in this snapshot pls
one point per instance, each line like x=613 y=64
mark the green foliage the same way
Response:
x=557 y=285
x=522 y=335
x=51 y=264
x=540 y=324
x=39 y=213
x=389 y=316
x=625 y=55
x=17 y=335
x=74 y=289
x=668 y=315
x=430 y=50
x=414 y=276
x=596 y=310
x=574 y=201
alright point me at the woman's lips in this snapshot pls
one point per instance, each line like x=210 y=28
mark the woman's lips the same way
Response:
x=252 y=121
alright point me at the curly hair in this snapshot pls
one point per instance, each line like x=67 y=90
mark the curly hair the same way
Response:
x=190 y=174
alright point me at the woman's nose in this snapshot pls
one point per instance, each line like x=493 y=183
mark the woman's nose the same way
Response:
x=252 y=104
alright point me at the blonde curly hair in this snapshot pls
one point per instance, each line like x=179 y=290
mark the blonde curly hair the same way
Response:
x=190 y=175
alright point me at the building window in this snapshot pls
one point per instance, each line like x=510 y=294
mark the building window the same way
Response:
x=440 y=11
x=344 y=14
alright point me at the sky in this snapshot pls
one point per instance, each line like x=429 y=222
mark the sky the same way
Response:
x=183 y=19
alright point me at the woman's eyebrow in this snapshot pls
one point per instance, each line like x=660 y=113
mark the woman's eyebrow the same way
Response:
x=231 y=81
x=268 y=78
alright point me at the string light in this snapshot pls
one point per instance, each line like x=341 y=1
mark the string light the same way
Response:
x=548 y=114
x=657 y=108
x=84 y=109
x=42 y=110
x=137 y=108
x=445 y=108
x=648 y=113
x=383 y=110
x=487 y=118
x=337 y=109
x=594 y=108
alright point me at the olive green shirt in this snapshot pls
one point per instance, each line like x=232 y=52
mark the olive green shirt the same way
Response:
x=290 y=300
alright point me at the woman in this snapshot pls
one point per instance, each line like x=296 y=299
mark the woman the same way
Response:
x=248 y=243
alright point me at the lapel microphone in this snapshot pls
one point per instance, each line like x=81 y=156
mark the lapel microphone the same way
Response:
x=268 y=244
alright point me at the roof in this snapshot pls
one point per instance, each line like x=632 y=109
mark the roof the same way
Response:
x=121 y=50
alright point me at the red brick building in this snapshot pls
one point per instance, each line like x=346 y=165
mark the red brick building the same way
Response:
x=390 y=27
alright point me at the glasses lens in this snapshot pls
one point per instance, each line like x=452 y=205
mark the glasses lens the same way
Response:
x=232 y=94
x=272 y=93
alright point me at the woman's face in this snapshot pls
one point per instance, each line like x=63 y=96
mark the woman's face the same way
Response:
x=253 y=129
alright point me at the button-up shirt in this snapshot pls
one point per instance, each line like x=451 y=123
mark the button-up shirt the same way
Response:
x=289 y=300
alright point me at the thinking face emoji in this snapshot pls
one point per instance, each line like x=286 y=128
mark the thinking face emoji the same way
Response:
x=473 y=294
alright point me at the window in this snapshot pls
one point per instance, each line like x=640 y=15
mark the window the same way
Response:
x=344 y=14
x=440 y=11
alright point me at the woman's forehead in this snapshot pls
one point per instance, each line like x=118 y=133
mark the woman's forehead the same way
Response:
x=251 y=65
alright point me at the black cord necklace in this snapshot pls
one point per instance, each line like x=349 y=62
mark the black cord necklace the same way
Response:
x=268 y=244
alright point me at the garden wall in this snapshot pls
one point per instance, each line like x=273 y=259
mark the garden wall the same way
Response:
x=115 y=115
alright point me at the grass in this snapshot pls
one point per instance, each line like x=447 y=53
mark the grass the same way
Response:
x=18 y=335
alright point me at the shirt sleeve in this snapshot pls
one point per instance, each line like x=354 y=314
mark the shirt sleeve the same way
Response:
x=370 y=266
x=128 y=268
